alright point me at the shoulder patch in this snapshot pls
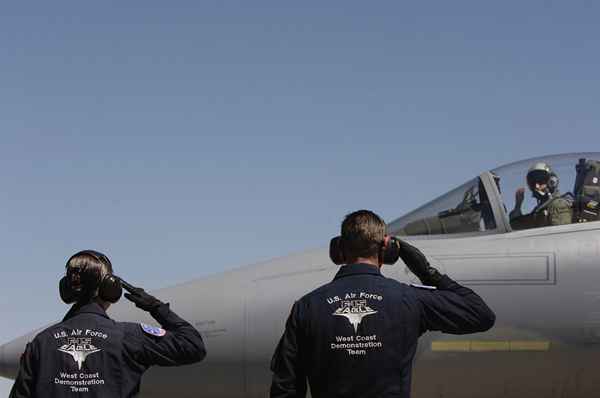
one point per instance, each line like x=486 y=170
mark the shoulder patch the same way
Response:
x=153 y=330
x=426 y=287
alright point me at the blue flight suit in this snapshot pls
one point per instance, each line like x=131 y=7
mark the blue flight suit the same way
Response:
x=357 y=335
x=90 y=355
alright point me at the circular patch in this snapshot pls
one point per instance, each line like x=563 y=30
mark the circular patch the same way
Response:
x=153 y=330
x=595 y=180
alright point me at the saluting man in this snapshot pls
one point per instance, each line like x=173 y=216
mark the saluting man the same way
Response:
x=88 y=354
x=357 y=335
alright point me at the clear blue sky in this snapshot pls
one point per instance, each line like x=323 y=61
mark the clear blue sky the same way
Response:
x=186 y=138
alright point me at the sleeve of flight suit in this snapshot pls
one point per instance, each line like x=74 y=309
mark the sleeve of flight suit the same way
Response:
x=181 y=344
x=25 y=383
x=453 y=308
x=289 y=376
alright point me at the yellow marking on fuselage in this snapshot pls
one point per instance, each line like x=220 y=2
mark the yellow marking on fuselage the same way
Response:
x=486 y=346
x=490 y=346
x=530 y=345
x=451 y=346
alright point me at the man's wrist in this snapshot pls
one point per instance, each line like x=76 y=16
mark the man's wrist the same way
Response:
x=160 y=311
x=445 y=282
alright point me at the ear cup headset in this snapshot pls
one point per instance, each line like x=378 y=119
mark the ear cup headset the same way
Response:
x=79 y=282
x=389 y=251
x=336 y=252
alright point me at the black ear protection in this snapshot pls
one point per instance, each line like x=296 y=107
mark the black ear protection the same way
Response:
x=389 y=252
x=336 y=252
x=77 y=282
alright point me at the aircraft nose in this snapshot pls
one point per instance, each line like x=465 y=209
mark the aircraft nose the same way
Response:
x=4 y=368
x=2 y=371
x=10 y=356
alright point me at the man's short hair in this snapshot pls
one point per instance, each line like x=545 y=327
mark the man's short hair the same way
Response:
x=363 y=233
x=93 y=267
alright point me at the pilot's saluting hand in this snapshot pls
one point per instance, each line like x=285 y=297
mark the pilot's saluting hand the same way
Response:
x=416 y=261
x=141 y=298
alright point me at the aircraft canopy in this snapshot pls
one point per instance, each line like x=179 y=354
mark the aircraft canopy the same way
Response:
x=482 y=205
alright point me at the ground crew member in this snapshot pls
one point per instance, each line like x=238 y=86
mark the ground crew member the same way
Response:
x=357 y=335
x=551 y=208
x=91 y=354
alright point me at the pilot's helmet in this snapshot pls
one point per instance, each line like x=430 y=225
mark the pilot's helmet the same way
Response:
x=541 y=173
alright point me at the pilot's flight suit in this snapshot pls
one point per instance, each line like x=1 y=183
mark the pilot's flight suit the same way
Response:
x=558 y=210
x=90 y=354
x=357 y=335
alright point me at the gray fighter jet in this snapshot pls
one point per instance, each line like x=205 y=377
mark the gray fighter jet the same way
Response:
x=543 y=282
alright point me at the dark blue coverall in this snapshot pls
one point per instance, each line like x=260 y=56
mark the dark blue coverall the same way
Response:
x=90 y=355
x=357 y=335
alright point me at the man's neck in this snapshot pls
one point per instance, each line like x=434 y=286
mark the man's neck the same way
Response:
x=96 y=300
x=373 y=261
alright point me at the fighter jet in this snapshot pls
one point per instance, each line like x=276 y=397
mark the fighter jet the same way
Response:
x=543 y=282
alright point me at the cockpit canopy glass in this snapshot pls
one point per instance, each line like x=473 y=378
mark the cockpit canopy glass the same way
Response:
x=465 y=209
x=568 y=192
x=563 y=202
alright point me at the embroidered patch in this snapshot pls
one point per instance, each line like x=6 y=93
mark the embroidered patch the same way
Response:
x=426 y=287
x=153 y=330
x=79 y=348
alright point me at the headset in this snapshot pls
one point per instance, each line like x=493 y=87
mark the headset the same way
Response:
x=77 y=283
x=389 y=251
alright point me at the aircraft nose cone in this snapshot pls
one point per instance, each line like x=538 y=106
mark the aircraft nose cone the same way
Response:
x=10 y=356
x=2 y=366
x=9 y=363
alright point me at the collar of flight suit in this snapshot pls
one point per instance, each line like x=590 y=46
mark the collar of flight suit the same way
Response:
x=357 y=269
x=88 y=308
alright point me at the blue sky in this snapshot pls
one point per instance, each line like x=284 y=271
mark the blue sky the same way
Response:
x=186 y=139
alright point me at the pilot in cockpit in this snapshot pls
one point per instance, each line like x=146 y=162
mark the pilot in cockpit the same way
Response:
x=551 y=208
